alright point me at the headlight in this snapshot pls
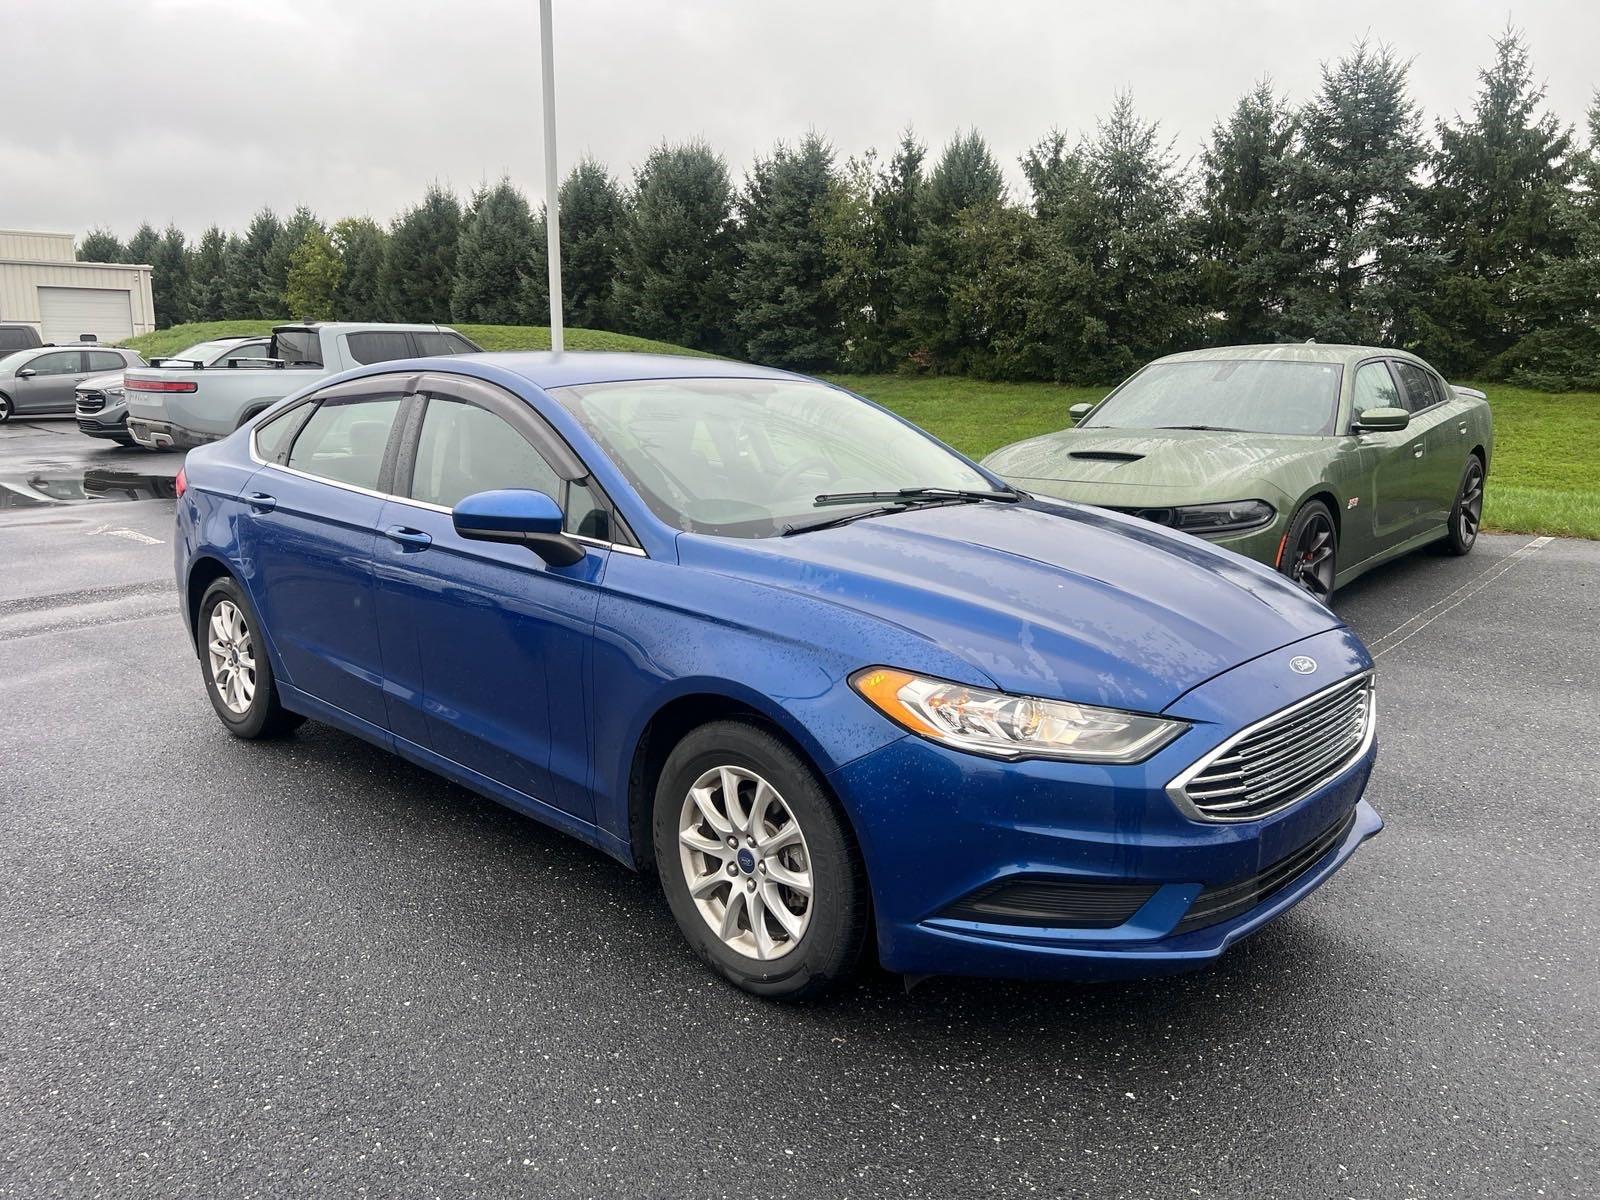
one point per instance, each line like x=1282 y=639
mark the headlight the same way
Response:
x=114 y=393
x=1005 y=726
x=1233 y=517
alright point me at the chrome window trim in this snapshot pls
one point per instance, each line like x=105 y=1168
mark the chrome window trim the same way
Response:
x=256 y=458
x=1177 y=789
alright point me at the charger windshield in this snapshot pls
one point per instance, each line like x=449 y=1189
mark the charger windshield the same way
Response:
x=1250 y=396
x=749 y=457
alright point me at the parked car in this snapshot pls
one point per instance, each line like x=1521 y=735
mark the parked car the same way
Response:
x=823 y=673
x=101 y=405
x=41 y=381
x=14 y=336
x=178 y=406
x=1320 y=461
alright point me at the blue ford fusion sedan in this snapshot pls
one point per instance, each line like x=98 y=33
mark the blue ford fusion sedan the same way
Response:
x=829 y=679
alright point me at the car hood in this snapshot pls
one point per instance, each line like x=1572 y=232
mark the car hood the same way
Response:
x=100 y=383
x=1046 y=599
x=1178 y=461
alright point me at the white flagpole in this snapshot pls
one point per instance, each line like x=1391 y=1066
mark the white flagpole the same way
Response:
x=552 y=207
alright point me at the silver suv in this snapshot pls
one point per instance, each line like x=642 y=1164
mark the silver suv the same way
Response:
x=41 y=381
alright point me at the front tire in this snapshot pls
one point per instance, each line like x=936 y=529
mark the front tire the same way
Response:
x=235 y=666
x=757 y=864
x=6 y=408
x=1310 y=555
x=1467 y=512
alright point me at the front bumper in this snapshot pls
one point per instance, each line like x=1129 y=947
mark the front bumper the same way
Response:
x=938 y=827
x=162 y=435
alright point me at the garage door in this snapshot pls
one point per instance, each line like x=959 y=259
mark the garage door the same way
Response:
x=66 y=312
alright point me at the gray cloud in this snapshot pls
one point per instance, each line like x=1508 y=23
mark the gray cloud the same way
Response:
x=194 y=111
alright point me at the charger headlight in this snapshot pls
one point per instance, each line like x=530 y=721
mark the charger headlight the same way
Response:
x=1005 y=726
x=1235 y=516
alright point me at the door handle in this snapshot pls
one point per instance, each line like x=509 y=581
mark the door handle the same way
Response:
x=1416 y=451
x=410 y=539
x=261 y=502
x=1462 y=429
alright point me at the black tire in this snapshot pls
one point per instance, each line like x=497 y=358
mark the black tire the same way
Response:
x=1466 y=514
x=1311 y=551
x=837 y=912
x=264 y=715
x=5 y=408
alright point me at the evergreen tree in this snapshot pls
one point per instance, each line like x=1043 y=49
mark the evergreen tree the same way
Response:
x=143 y=246
x=100 y=245
x=675 y=261
x=533 y=290
x=782 y=310
x=1499 y=181
x=271 y=296
x=169 y=280
x=244 y=279
x=1357 y=219
x=873 y=224
x=207 y=276
x=311 y=288
x=419 y=269
x=1564 y=353
x=1244 y=271
x=593 y=212
x=361 y=244
x=492 y=256
x=965 y=178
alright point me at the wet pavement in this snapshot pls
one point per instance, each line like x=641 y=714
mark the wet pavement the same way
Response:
x=47 y=462
x=308 y=968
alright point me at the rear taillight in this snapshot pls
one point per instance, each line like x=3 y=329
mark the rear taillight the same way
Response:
x=180 y=485
x=159 y=385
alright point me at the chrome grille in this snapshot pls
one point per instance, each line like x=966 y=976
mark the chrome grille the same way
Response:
x=91 y=402
x=1278 y=760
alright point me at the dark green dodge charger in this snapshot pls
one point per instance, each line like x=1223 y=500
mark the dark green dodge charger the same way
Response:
x=1321 y=461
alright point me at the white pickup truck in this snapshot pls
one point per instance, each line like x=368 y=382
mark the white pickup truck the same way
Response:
x=185 y=404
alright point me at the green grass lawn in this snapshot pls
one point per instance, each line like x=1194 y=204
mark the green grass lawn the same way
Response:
x=1544 y=478
x=490 y=337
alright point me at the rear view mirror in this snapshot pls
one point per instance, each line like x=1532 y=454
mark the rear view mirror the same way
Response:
x=1078 y=412
x=1382 y=420
x=520 y=517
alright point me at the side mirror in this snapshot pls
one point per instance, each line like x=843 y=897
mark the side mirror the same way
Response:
x=26 y=373
x=1382 y=420
x=1078 y=412
x=520 y=517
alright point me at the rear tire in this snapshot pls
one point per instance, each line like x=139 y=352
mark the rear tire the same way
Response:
x=235 y=665
x=1467 y=512
x=780 y=904
x=1311 y=551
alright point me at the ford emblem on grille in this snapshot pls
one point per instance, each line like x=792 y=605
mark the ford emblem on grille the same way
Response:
x=1302 y=665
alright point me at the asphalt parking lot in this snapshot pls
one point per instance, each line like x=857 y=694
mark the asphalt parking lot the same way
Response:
x=308 y=967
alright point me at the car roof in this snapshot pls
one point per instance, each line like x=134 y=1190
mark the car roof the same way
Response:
x=1308 y=352
x=363 y=327
x=548 y=370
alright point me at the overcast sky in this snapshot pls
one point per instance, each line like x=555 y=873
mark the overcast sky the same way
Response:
x=194 y=111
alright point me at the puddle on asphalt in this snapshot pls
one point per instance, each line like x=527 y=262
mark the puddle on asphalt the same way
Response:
x=43 y=488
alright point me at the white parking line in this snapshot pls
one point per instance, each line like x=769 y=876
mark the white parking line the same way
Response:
x=132 y=535
x=1463 y=593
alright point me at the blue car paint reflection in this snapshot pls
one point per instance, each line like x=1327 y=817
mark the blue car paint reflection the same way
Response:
x=537 y=684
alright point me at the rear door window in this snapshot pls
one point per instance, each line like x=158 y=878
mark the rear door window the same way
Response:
x=379 y=345
x=1418 y=386
x=273 y=437
x=105 y=360
x=345 y=440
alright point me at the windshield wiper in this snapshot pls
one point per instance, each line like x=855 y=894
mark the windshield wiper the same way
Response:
x=884 y=503
x=914 y=495
x=1203 y=428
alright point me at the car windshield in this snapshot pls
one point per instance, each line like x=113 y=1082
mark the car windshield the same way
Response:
x=1241 y=394
x=749 y=457
x=11 y=362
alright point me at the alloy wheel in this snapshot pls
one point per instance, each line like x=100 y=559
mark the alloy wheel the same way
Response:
x=232 y=656
x=1312 y=566
x=5 y=409
x=745 y=862
x=1469 y=508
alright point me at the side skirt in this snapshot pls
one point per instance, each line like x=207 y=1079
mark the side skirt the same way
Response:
x=1425 y=538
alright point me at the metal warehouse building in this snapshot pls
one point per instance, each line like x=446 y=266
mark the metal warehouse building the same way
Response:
x=42 y=285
